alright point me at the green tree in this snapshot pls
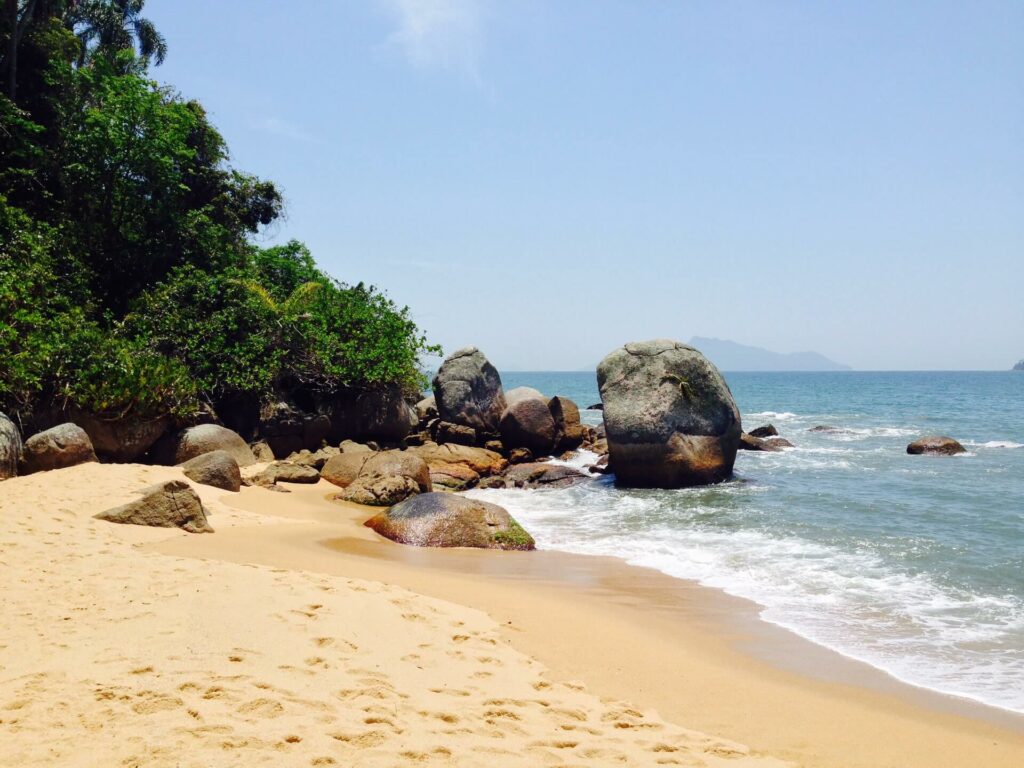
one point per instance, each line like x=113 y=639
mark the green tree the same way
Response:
x=111 y=26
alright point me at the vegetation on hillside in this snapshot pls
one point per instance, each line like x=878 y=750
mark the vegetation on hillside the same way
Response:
x=129 y=280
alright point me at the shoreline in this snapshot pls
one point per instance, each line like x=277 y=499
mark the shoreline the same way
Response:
x=835 y=707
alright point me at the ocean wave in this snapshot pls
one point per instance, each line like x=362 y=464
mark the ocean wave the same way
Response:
x=775 y=415
x=995 y=444
x=920 y=631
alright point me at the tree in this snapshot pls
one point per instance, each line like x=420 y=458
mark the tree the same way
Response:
x=111 y=26
x=18 y=16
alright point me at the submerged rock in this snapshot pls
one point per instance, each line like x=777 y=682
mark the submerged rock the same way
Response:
x=10 y=447
x=468 y=391
x=446 y=520
x=542 y=475
x=935 y=445
x=62 y=446
x=167 y=505
x=670 y=418
x=216 y=468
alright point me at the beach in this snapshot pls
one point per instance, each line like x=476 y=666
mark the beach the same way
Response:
x=295 y=636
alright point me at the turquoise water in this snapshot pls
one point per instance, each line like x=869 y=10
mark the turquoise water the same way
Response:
x=912 y=564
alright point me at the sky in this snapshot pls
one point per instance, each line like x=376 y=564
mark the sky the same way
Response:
x=548 y=180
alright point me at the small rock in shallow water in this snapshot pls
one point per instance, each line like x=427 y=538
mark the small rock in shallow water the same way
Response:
x=768 y=430
x=935 y=445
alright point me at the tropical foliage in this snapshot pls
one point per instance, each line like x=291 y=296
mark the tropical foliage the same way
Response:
x=129 y=280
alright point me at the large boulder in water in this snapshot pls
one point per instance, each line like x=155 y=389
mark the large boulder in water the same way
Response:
x=467 y=391
x=62 y=446
x=527 y=422
x=670 y=418
x=569 y=432
x=195 y=441
x=10 y=447
x=446 y=520
x=935 y=445
x=216 y=468
x=166 y=505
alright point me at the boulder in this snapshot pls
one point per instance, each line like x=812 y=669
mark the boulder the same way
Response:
x=750 y=443
x=446 y=520
x=768 y=430
x=351 y=446
x=670 y=418
x=935 y=445
x=216 y=468
x=520 y=456
x=447 y=432
x=379 y=479
x=166 y=505
x=542 y=475
x=480 y=460
x=569 y=431
x=452 y=477
x=123 y=440
x=10 y=447
x=778 y=442
x=527 y=422
x=596 y=407
x=62 y=446
x=426 y=409
x=195 y=441
x=262 y=451
x=316 y=460
x=467 y=391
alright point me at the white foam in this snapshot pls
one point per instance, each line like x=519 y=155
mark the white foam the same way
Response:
x=921 y=632
x=776 y=415
x=997 y=444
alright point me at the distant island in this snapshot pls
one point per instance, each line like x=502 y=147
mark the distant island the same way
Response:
x=1019 y=366
x=730 y=356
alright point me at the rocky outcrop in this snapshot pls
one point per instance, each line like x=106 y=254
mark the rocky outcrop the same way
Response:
x=447 y=432
x=467 y=391
x=446 y=520
x=426 y=409
x=315 y=459
x=527 y=422
x=379 y=479
x=262 y=451
x=10 y=447
x=195 y=441
x=768 y=430
x=167 y=505
x=670 y=418
x=287 y=429
x=935 y=445
x=569 y=431
x=124 y=439
x=62 y=446
x=750 y=443
x=381 y=415
x=216 y=468
x=481 y=460
x=285 y=472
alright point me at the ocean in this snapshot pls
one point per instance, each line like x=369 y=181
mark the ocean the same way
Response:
x=912 y=564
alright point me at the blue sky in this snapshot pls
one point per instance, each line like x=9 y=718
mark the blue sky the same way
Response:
x=547 y=180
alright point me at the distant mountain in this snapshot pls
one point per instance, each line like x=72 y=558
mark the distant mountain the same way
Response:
x=730 y=356
x=1019 y=366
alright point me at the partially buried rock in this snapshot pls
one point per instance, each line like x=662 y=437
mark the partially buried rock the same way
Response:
x=446 y=520
x=468 y=391
x=216 y=468
x=935 y=445
x=62 y=446
x=287 y=472
x=671 y=420
x=167 y=505
x=10 y=447
x=768 y=430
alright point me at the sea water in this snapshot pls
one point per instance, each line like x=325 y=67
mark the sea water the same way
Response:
x=913 y=564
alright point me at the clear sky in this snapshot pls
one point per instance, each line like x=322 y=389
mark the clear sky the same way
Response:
x=547 y=180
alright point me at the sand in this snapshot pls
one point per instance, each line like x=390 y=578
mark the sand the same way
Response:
x=122 y=645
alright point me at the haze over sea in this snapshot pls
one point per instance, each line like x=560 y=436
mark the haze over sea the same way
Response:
x=912 y=564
